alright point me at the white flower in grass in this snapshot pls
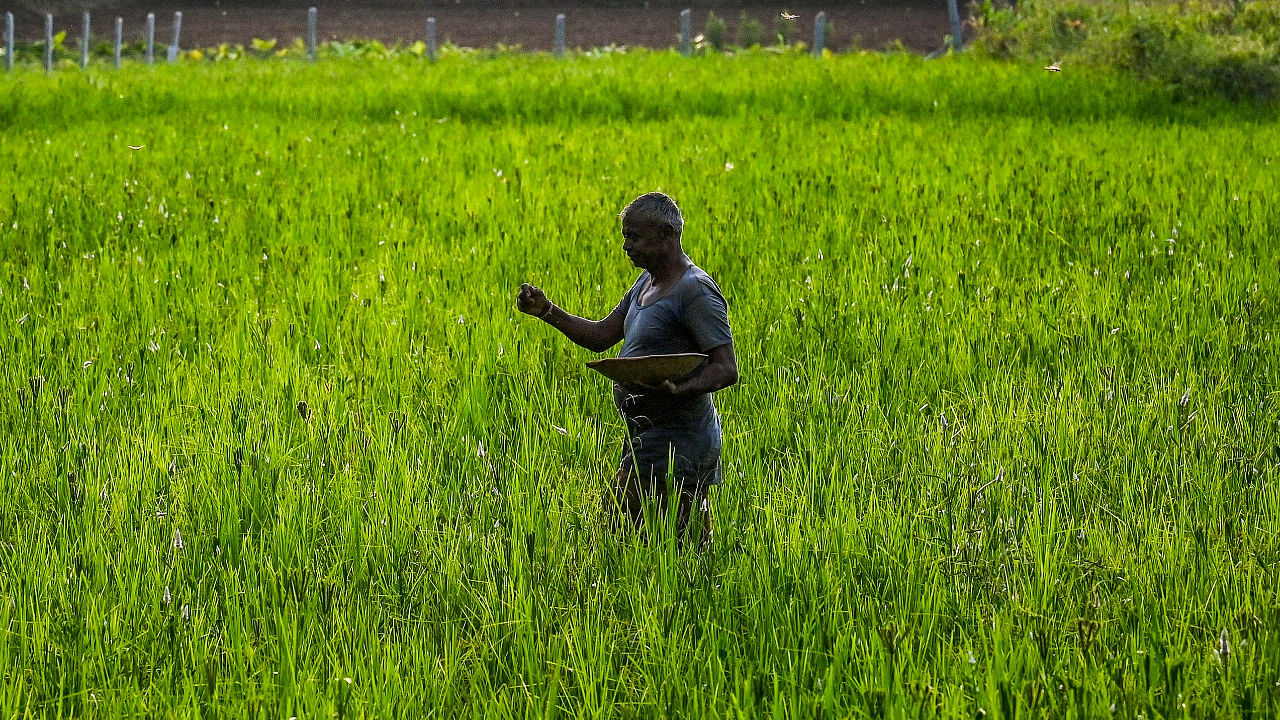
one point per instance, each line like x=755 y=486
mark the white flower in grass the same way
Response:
x=177 y=540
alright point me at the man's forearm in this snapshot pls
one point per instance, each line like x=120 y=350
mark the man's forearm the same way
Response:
x=712 y=377
x=581 y=331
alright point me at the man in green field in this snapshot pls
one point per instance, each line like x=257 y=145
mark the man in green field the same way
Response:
x=673 y=430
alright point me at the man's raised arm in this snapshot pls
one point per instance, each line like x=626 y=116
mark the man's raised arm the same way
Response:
x=596 y=336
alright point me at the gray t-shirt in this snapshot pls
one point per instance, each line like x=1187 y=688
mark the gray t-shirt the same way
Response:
x=692 y=317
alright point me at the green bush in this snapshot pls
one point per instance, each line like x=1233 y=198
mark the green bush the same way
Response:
x=716 y=32
x=1197 y=48
x=750 y=32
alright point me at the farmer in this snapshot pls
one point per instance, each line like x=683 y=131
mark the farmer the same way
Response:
x=673 y=430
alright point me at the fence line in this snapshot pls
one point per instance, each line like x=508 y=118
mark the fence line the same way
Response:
x=84 y=43
x=686 y=32
x=8 y=41
x=957 y=30
x=177 y=32
x=174 y=52
x=431 y=39
x=560 y=35
x=311 y=34
x=819 y=33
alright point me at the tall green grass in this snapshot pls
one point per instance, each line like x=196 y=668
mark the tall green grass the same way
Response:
x=1006 y=442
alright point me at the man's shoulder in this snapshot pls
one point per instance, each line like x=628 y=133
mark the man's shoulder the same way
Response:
x=700 y=282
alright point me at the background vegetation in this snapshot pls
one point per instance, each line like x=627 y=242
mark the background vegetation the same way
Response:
x=275 y=442
x=1196 y=48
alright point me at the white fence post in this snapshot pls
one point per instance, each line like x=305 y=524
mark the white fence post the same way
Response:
x=119 y=40
x=311 y=34
x=431 y=39
x=84 y=43
x=151 y=38
x=48 y=43
x=177 y=32
x=8 y=41
x=819 y=33
x=957 y=37
x=686 y=32
x=560 y=35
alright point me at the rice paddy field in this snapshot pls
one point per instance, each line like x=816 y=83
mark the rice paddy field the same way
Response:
x=274 y=441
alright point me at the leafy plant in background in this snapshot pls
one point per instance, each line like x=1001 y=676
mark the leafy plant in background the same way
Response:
x=1196 y=48
x=263 y=47
x=716 y=31
x=750 y=31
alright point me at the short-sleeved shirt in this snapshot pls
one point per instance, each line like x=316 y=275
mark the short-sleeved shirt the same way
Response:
x=691 y=317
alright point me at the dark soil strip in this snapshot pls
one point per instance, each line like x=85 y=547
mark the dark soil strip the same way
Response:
x=869 y=24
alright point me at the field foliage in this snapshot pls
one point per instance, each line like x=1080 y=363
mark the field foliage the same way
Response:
x=1202 y=47
x=274 y=441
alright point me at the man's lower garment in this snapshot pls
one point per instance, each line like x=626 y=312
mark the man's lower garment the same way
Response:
x=633 y=502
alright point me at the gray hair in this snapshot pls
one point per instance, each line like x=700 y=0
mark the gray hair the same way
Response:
x=656 y=208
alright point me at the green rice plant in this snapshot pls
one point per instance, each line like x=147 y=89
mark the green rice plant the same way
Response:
x=275 y=442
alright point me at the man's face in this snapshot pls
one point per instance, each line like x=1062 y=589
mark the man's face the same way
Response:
x=645 y=242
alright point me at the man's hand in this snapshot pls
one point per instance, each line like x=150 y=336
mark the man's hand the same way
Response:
x=532 y=301
x=666 y=387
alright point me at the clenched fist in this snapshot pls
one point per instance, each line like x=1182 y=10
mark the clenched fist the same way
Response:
x=531 y=300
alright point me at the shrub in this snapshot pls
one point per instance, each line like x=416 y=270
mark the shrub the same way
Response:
x=1196 y=48
x=750 y=31
x=716 y=31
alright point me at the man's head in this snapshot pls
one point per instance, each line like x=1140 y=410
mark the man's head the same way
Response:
x=651 y=229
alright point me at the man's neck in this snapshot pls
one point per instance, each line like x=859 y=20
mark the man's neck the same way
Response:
x=670 y=270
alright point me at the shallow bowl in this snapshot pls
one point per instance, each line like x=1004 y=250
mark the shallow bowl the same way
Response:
x=648 y=369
